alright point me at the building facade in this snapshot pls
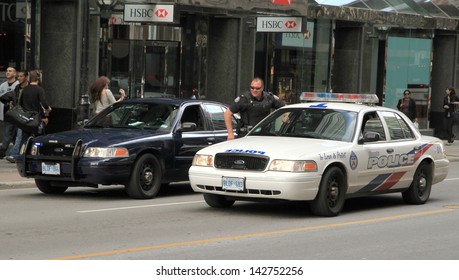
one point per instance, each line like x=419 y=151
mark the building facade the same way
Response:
x=213 y=48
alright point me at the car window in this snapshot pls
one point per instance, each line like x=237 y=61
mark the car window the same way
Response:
x=372 y=123
x=194 y=115
x=139 y=115
x=398 y=128
x=309 y=123
x=217 y=118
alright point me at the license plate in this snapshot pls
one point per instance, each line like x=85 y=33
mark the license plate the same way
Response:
x=233 y=184
x=50 y=169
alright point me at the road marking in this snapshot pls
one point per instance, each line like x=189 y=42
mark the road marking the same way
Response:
x=140 y=206
x=450 y=179
x=249 y=235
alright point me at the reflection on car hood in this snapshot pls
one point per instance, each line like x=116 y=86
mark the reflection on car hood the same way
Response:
x=101 y=137
x=278 y=147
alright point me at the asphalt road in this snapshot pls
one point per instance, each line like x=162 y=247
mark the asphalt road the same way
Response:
x=104 y=224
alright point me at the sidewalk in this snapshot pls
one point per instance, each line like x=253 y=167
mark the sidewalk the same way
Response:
x=9 y=175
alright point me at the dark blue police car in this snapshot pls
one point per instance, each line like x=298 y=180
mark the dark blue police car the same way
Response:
x=139 y=143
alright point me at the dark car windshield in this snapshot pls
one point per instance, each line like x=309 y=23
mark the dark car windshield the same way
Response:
x=136 y=115
x=317 y=123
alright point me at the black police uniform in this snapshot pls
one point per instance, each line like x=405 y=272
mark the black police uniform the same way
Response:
x=252 y=110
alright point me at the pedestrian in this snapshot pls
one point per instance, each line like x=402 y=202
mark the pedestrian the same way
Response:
x=33 y=99
x=23 y=78
x=9 y=130
x=449 y=105
x=253 y=106
x=100 y=95
x=407 y=105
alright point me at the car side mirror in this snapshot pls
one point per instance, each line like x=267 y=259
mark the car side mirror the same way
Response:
x=188 y=126
x=371 y=137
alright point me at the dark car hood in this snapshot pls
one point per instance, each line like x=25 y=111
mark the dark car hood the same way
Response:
x=101 y=137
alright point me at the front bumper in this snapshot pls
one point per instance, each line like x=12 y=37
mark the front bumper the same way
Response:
x=258 y=185
x=83 y=171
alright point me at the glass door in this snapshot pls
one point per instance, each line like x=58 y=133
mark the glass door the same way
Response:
x=162 y=69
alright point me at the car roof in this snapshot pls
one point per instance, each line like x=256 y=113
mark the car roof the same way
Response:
x=339 y=106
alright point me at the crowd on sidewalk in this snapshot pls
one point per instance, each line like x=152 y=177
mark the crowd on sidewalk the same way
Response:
x=21 y=92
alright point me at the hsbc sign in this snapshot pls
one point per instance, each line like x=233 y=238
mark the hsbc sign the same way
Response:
x=148 y=13
x=279 y=24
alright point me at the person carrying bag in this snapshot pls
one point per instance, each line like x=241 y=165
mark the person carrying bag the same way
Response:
x=28 y=121
x=33 y=100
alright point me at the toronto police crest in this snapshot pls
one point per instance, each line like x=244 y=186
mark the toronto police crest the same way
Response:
x=353 y=161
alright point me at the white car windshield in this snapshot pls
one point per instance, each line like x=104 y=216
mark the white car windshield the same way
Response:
x=317 y=123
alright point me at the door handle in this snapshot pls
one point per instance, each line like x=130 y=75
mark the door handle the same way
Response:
x=390 y=150
x=210 y=140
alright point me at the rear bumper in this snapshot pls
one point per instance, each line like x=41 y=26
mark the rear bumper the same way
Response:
x=440 y=171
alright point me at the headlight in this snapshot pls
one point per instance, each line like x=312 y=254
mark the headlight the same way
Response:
x=293 y=165
x=203 y=160
x=106 y=152
x=33 y=150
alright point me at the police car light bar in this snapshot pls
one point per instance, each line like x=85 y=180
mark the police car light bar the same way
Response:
x=339 y=97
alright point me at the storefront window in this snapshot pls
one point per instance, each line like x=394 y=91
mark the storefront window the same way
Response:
x=408 y=67
x=298 y=62
x=12 y=34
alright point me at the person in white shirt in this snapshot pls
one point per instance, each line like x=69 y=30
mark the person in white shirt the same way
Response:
x=9 y=130
x=100 y=95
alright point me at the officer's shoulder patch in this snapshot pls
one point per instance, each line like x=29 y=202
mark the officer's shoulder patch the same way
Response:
x=242 y=96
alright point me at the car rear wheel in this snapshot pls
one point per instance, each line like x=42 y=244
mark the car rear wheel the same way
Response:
x=332 y=190
x=419 y=190
x=218 y=201
x=45 y=187
x=145 y=181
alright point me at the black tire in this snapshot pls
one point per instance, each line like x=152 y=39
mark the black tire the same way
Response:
x=419 y=190
x=332 y=192
x=45 y=187
x=218 y=201
x=145 y=181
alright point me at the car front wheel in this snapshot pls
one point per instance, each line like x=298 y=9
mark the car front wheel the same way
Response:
x=419 y=190
x=218 y=201
x=145 y=180
x=332 y=191
x=45 y=187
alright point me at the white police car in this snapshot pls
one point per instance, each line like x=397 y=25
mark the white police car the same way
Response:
x=322 y=152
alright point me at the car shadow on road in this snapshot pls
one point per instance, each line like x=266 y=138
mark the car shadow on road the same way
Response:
x=368 y=203
x=114 y=192
x=301 y=209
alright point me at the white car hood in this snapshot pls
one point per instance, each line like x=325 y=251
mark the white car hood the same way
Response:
x=293 y=148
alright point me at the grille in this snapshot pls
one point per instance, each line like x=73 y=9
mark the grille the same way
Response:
x=59 y=149
x=240 y=161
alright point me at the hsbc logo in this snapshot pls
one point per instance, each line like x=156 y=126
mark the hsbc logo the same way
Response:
x=148 y=13
x=279 y=24
x=290 y=24
x=161 y=13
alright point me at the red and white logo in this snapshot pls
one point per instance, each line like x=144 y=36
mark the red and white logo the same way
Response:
x=290 y=24
x=161 y=13
x=282 y=2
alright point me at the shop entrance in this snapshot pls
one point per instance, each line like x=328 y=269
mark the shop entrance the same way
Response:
x=145 y=60
x=162 y=68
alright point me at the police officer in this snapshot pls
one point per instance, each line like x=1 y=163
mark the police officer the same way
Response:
x=253 y=105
